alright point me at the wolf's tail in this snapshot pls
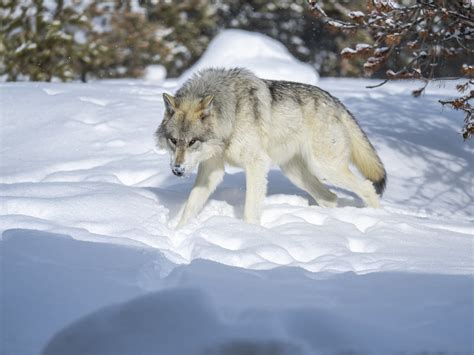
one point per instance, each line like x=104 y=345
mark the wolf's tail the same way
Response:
x=364 y=156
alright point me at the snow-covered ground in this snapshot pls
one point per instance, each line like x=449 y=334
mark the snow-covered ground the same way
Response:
x=91 y=264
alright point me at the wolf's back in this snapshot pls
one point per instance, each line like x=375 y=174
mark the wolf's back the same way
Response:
x=214 y=81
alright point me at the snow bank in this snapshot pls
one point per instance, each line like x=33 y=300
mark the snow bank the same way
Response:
x=155 y=73
x=263 y=55
x=87 y=247
x=104 y=299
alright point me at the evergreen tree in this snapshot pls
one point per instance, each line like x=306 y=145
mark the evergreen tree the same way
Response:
x=127 y=42
x=42 y=40
x=40 y=43
x=185 y=28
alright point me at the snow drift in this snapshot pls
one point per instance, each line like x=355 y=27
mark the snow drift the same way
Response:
x=87 y=204
x=266 y=57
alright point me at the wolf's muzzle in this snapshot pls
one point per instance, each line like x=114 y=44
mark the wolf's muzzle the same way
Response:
x=178 y=170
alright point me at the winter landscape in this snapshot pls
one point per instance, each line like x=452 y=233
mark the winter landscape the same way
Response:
x=92 y=263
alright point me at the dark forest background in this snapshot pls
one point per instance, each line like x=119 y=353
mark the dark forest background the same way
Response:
x=42 y=40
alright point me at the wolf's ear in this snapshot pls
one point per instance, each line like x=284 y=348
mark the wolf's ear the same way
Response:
x=170 y=103
x=206 y=104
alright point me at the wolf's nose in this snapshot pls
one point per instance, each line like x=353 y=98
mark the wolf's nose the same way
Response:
x=178 y=170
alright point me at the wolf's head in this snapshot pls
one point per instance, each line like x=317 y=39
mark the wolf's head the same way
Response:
x=187 y=132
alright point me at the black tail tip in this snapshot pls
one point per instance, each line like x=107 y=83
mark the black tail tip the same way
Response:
x=380 y=185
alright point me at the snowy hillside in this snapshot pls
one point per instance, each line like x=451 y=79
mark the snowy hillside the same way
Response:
x=92 y=265
x=266 y=57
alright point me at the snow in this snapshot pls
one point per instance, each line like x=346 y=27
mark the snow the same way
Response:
x=348 y=50
x=356 y=14
x=91 y=264
x=362 y=46
x=25 y=46
x=386 y=3
x=263 y=55
x=155 y=73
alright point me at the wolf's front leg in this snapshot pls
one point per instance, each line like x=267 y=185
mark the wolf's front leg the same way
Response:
x=210 y=174
x=256 y=189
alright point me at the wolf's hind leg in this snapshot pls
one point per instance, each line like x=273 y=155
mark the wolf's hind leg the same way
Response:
x=210 y=174
x=345 y=179
x=298 y=173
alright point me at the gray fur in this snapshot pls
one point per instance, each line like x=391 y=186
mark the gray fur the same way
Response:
x=283 y=90
x=231 y=116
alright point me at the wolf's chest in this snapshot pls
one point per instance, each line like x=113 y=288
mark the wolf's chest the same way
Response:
x=233 y=157
x=241 y=152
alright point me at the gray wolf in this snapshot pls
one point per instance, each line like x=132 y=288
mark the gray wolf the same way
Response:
x=231 y=116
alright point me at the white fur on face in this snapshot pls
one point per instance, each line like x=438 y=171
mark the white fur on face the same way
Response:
x=194 y=156
x=189 y=163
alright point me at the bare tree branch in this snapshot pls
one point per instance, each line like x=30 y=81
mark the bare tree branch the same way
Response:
x=412 y=42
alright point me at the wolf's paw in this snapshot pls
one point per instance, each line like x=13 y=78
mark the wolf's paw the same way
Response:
x=251 y=220
x=327 y=204
x=173 y=223
x=373 y=203
x=182 y=222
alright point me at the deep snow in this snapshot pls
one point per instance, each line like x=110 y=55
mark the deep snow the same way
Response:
x=91 y=263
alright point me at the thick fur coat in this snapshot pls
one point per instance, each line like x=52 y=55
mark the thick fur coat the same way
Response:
x=231 y=116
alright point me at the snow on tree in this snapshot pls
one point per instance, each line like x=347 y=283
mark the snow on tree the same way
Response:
x=185 y=28
x=119 y=38
x=413 y=40
x=77 y=39
x=130 y=41
x=40 y=40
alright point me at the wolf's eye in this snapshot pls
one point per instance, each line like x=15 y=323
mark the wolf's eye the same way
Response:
x=173 y=141
x=192 y=141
